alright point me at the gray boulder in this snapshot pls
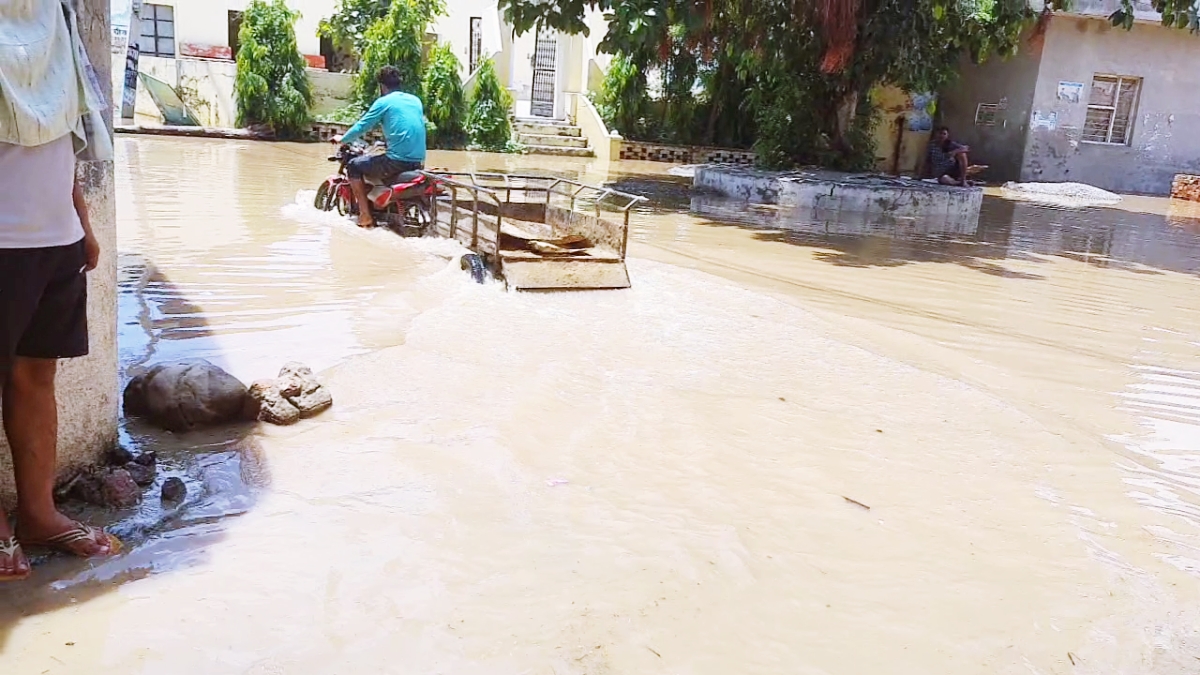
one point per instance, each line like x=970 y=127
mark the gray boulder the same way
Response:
x=186 y=394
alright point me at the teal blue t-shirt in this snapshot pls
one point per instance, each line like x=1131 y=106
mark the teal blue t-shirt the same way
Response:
x=403 y=120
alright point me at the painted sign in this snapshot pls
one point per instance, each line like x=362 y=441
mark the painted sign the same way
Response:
x=920 y=113
x=1048 y=121
x=1070 y=92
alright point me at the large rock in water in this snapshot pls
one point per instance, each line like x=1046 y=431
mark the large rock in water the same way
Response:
x=186 y=394
x=298 y=384
x=272 y=406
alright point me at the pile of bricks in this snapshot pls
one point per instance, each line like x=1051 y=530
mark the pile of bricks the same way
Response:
x=1186 y=186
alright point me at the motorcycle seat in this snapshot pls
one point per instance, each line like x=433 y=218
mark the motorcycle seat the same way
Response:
x=406 y=177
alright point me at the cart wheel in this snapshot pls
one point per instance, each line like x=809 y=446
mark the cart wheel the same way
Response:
x=474 y=264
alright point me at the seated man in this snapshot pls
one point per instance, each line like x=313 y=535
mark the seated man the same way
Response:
x=947 y=160
x=403 y=119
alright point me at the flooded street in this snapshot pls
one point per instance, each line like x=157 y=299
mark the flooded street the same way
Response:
x=849 y=448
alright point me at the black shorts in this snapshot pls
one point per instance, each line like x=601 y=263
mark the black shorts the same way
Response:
x=955 y=172
x=378 y=167
x=43 y=303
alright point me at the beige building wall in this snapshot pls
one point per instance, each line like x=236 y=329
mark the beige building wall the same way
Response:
x=87 y=387
x=1164 y=138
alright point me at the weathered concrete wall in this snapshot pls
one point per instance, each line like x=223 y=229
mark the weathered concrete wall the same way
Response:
x=831 y=195
x=1007 y=83
x=87 y=387
x=207 y=87
x=1165 y=136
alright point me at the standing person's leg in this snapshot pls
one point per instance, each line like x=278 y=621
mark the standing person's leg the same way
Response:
x=22 y=284
x=56 y=329
x=357 y=169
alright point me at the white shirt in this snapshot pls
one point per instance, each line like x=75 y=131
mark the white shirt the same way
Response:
x=36 y=208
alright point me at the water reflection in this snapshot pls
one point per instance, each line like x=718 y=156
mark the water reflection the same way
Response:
x=655 y=478
x=1103 y=237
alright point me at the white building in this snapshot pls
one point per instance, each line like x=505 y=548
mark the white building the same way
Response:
x=191 y=44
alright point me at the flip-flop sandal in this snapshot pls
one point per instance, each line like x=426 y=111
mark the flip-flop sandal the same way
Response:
x=12 y=548
x=63 y=542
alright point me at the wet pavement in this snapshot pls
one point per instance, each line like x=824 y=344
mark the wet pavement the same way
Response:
x=652 y=480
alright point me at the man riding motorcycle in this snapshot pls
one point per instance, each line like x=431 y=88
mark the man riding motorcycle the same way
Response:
x=403 y=119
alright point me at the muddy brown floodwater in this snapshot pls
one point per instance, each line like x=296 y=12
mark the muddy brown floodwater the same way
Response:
x=655 y=480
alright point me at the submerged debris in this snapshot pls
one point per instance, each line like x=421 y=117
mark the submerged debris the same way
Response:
x=856 y=502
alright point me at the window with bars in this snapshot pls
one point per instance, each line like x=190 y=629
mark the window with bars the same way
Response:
x=475 y=53
x=158 y=30
x=1111 y=107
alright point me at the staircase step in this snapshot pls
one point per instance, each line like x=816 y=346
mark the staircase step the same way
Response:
x=559 y=150
x=547 y=129
x=553 y=139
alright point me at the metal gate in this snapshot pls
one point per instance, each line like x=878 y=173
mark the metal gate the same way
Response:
x=545 y=57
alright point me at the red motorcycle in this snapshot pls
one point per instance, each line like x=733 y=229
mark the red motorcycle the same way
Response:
x=401 y=202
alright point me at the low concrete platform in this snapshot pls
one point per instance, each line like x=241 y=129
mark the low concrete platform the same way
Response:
x=833 y=192
x=193 y=132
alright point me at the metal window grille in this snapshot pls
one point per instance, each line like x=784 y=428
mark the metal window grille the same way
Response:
x=475 y=53
x=158 y=31
x=544 y=62
x=985 y=114
x=1110 y=110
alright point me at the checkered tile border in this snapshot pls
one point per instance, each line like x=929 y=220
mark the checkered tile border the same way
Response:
x=679 y=154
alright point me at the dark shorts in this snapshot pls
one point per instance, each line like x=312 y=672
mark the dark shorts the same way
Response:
x=378 y=166
x=43 y=303
x=955 y=172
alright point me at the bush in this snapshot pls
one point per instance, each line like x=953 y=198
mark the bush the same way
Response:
x=347 y=114
x=623 y=101
x=445 y=102
x=271 y=85
x=487 y=121
x=396 y=40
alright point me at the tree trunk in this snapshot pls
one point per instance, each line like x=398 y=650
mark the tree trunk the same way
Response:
x=844 y=110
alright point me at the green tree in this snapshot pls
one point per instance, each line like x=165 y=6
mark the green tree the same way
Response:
x=397 y=39
x=623 y=101
x=445 y=102
x=1180 y=14
x=347 y=28
x=793 y=75
x=271 y=85
x=487 y=121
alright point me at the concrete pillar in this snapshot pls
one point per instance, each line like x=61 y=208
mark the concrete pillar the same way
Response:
x=87 y=387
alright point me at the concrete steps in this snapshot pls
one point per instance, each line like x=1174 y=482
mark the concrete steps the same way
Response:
x=550 y=137
x=554 y=140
